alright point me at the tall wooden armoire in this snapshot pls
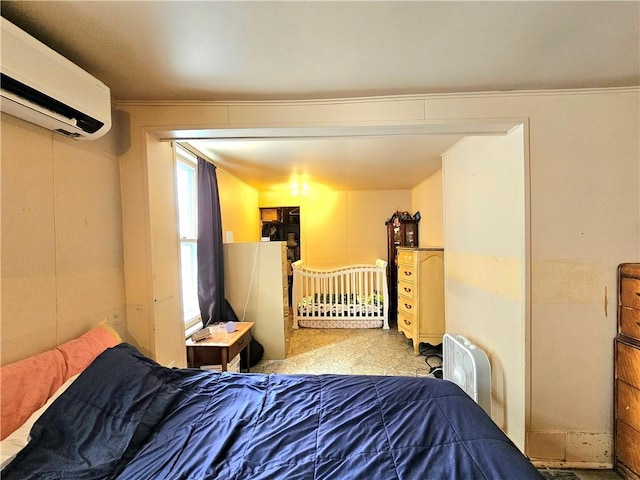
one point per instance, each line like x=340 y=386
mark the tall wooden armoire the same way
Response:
x=402 y=231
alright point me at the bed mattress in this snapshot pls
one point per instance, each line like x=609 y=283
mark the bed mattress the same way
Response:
x=127 y=417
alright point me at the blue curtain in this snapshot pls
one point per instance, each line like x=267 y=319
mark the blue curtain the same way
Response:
x=210 y=255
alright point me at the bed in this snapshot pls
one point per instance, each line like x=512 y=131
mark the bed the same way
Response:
x=353 y=296
x=127 y=417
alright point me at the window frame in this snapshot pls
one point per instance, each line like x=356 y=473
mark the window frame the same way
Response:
x=185 y=157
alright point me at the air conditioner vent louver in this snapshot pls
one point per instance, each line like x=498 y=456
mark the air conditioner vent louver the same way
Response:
x=68 y=134
x=467 y=366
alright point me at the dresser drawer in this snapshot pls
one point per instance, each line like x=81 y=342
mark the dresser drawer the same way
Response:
x=406 y=324
x=630 y=292
x=406 y=289
x=405 y=257
x=628 y=404
x=407 y=306
x=406 y=273
x=630 y=322
x=628 y=364
x=627 y=441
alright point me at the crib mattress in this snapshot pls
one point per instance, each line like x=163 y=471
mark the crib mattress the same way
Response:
x=326 y=322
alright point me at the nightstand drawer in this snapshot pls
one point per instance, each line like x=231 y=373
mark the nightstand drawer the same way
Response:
x=406 y=273
x=630 y=322
x=406 y=289
x=240 y=345
x=630 y=292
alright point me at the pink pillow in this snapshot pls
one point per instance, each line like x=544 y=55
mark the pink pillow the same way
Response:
x=26 y=385
x=80 y=352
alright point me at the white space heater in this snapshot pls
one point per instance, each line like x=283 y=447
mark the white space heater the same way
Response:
x=467 y=366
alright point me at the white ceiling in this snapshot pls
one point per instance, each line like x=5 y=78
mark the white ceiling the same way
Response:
x=214 y=50
x=341 y=163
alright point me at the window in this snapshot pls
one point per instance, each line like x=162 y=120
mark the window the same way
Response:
x=187 y=193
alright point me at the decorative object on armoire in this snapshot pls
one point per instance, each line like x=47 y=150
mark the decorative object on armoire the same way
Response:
x=402 y=231
x=421 y=295
x=627 y=373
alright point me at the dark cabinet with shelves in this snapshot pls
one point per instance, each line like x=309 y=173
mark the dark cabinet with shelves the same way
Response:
x=282 y=224
x=402 y=231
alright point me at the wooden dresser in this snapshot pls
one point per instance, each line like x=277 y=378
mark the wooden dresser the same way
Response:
x=627 y=373
x=421 y=295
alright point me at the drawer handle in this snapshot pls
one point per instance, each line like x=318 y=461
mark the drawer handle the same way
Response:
x=407 y=289
x=407 y=306
x=408 y=274
x=406 y=322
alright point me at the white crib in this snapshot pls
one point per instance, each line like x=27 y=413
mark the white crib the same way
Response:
x=353 y=296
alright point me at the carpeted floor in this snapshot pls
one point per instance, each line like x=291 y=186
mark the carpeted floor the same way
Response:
x=356 y=352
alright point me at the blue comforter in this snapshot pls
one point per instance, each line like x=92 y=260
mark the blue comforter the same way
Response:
x=127 y=417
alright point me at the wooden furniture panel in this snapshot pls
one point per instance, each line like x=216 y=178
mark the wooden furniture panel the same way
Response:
x=627 y=373
x=630 y=292
x=628 y=404
x=628 y=363
x=421 y=295
x=630 y=322
x=627 y=440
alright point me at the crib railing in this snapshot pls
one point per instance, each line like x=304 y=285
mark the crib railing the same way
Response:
x=344 y=293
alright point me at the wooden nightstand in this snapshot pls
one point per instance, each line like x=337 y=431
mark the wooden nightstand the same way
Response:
x=220 y=348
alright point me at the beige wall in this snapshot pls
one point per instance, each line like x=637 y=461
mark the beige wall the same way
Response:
x=485 y=262
x=584 y=187
x=62 y=260
x=426 y=197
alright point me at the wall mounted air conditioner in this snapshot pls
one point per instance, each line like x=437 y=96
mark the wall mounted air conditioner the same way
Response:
x=42 y=87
